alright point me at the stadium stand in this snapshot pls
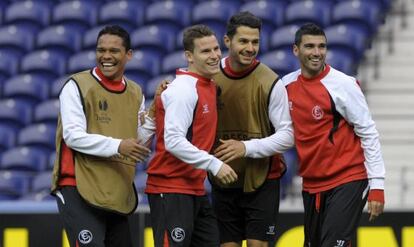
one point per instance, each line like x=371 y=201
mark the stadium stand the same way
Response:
x=48 y=40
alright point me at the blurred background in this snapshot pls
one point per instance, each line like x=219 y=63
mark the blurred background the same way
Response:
x=42 y=42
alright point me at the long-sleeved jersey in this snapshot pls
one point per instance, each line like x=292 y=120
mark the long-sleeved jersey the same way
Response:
x=335 y=136
x=186 y=122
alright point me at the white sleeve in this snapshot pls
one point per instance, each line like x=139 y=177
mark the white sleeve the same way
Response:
x=74 y=126
x=146 y=130
x=179 y=100
x=355 y=110
x=279 y=115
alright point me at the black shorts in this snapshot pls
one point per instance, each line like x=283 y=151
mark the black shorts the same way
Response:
x=336 y=220
x=183 y=220
x=247 y=215
x=89 y=226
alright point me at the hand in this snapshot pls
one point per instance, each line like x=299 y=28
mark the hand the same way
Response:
x=230 y=150
x=131 y=148
x=160 y=88
x=226 y=174
x=375 y=209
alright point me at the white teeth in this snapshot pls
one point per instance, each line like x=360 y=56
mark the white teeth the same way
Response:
x=107 y=64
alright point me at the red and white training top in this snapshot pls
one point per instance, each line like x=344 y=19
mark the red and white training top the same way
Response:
x=335 y=136
x=186 y=123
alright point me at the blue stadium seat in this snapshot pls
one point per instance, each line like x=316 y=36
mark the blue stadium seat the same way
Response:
x=80 y=13
x=9 y=62
x=15 y=113
x=27 y=87
x=128 y=14
x=348 y=38
x=44 y=62
x=173 y=61
x=51 y=162
x=146 y=62
x=270 y=12
x=57 y=85
x=153 y=83
x=65 y=38
x=47 y=112
x=308 y=11
x=342 y=61
x=214 y=11
x=40 y=188
x=140 y=184
x=89 y=38
x=283 y=38
x=158 y=38
x=14 y=184
x=362 y=14
x=7 y=137
x=140 y=78
x=175 y=11
x=16 y=38
x=38 y=135
x=280 y=61
x=33 y=14
x=80 y=61
x=29 y=159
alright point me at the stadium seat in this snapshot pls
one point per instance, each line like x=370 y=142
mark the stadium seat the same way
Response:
x=140 y=78
x=157 y=38
x=208 y=12
x=14 y=184
x=7 y=137
x=57 y=85
x=146 y=62
x=283 y=38
x=47 y=112
x=33 y=14
x=15 y=113
x=90 y=37
x=280 y=61
x=127 y=14
x=9 y=62
x=16 y=38
x=342 y=61
x=270 y=12
x=27 y=87
x=362 y=14
x=64 y=38
x=348 y=38
x=80 y=13
x=308 y=11
x=173 y=61
x=40 y=188
x=29 y=159
x=80 y=61
x=154 y=82
x=38 y=135
x=175 y=11
x=51 y=162
x=44 y=62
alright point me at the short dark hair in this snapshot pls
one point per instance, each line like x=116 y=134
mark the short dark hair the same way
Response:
x=118 y=31
x=308 y=29
x=244 y=18
x=195 y=32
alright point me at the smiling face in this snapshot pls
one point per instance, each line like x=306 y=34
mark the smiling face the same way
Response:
x=205 y=57
x=243 y=47
x=111 y=56
x=311 y=53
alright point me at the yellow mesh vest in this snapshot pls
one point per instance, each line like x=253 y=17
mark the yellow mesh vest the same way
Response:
x=105 y=182
x=243 y=115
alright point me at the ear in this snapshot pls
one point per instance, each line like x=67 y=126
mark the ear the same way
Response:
x=296 y=50
x=129 y=54
x=227 y=41
x=189 y=56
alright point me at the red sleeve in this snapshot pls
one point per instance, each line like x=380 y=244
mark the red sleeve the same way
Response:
x=376 y=195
